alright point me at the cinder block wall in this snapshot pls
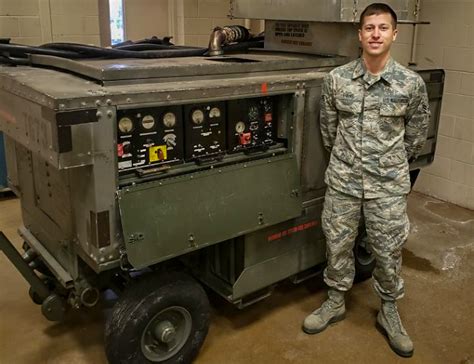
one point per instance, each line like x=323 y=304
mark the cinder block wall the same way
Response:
x=146 y=18
x=75 y=21
x=448 y=43
x=401 y=49
x=35 y=22
x=197 y=18
x=20 y=20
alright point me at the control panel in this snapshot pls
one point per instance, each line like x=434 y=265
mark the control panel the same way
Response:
x=197 y=132
x=204 y=129
x=149 y=136
x=251 y=124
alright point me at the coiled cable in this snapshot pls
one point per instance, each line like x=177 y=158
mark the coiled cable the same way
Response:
x=17 y=54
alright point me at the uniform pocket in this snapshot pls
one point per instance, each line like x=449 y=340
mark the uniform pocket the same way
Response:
x=344 y=155
x=349 y=105
x=394 y=106
x=392 y=160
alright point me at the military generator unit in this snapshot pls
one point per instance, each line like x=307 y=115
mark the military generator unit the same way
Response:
x=153 y=176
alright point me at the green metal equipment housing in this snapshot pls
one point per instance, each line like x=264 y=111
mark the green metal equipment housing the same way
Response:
x=115 y=167
x=262 y=206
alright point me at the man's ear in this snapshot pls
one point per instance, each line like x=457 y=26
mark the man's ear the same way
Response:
x=395 y=33
x=360 y=36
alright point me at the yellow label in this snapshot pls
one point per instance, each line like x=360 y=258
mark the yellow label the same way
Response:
x=157 y=153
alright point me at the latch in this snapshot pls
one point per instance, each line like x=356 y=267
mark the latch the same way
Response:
x=134 y=238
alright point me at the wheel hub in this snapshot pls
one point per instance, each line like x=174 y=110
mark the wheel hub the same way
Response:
x=363 y=255
x=166 y=333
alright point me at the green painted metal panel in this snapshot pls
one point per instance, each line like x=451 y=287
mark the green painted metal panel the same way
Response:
x=281 y=251
x=174 y=216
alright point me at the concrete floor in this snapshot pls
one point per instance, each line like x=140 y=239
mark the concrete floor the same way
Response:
x=438 y=309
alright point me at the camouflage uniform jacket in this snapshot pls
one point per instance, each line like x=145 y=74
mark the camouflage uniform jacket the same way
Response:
x=372 y=125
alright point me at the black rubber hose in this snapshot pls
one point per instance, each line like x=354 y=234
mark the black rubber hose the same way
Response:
x=144 y=50
x=257 y=38
x=242 y=46
x=14 y=61
x=90 y=51
x=20 y=61
x=22 y=51
x=98 y=52
x=145 y=47
x=152 y=40
x=151 y=46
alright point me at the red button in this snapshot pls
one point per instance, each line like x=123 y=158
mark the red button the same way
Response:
x=161 y=156
x=245 y=138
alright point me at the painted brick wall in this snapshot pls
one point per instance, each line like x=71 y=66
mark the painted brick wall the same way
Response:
x=20 y=20
x=197 y=19
x=75 y=21
x=35 y=22
x=448 y=43
x=146 y=18
x=401 y=49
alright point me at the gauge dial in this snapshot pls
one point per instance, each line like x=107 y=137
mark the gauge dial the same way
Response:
x=240 y=127
x=125 y=125
x=169 y=119
x=215 y=112
x=148 y=122
x=197 y=116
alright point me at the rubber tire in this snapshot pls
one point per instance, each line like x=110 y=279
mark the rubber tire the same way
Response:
x=363 y=269
x=413 y=177
x=140 y=302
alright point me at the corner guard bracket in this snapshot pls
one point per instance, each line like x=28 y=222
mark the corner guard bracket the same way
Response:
x=59 y=272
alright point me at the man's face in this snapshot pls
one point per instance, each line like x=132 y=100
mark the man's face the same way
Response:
x=377 y=34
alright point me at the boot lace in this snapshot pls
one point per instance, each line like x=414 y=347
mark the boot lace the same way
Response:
x=391 y=313
x=330 y=305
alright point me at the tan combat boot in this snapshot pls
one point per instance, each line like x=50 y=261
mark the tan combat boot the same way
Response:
x=389 y=323
x=332 y=310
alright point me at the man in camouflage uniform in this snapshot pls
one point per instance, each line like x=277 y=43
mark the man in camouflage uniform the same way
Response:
x=374 y=118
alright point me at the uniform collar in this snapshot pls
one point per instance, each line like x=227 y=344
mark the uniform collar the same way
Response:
x=386 y=74
x=359 y=69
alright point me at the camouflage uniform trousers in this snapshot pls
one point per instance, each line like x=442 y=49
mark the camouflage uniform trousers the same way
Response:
x=387 y=229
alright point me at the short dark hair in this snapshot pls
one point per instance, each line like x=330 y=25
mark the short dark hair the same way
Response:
x=376 y=9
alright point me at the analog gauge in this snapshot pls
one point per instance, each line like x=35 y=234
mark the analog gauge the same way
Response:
x=197 y=116
x=215 y=112
x=169 y=119
x=240 y=127
x=148 y=122
x=125 y=125
x=253 y=113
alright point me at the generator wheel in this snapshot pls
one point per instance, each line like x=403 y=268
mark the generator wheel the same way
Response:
x=161 y=318
x=364 y=259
